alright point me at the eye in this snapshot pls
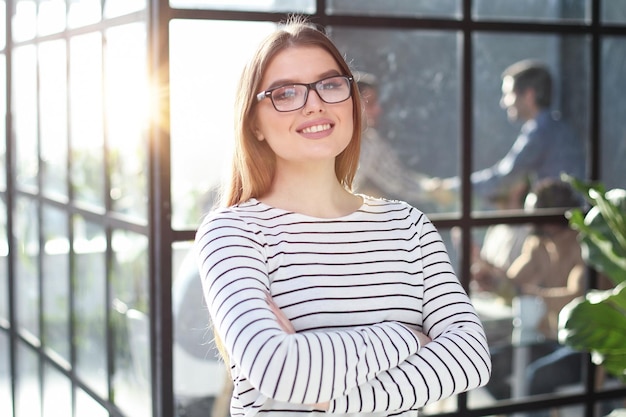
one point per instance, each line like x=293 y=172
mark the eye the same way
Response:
x=332 y=83
x=285 y=93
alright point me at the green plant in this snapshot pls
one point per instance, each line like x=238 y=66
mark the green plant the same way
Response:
x=597 y=322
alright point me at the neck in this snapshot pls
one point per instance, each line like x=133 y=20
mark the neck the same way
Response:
x=534 y=112
x=311 y=190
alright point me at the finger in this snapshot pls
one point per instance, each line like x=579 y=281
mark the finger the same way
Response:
x=281 y=318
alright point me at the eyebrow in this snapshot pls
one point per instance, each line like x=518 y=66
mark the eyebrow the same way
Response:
x=288 y=81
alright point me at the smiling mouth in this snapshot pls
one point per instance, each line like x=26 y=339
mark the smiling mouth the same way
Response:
x=316 y=128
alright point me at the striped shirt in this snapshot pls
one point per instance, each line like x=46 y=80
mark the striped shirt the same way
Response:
x=350 y=286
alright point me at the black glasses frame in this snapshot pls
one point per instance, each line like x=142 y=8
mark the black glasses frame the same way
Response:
x=310 y=86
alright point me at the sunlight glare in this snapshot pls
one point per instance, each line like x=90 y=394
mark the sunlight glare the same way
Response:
x=51 y=17
x=204 y=74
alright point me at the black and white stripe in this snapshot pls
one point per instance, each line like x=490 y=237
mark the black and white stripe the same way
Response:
x=349 y=286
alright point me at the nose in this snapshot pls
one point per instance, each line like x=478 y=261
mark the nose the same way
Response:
x=313 y=102
x=507 y=100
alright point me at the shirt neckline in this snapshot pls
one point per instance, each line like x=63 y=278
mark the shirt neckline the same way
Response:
x=360 y=209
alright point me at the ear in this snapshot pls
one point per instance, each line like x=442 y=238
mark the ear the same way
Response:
x=530 y=95
x=259 y=135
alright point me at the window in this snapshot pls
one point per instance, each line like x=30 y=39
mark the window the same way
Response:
x=119 y=133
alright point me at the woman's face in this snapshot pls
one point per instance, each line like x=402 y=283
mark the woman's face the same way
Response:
x=317 y=132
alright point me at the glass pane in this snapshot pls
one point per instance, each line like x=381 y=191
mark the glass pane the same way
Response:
x=130 y=278
x=51 y=18
x=613 y=131
x=24 y=20
x=421 y=8
x=84 y=12
x=6 y=401
x=25 y=114
x=86 y=118
x=56 y=281
x=304 y=6
x=90 y=303
x=398 y=150
x=495 y=248
x=4 y=253
x=613 y=11
x=3 y=110
x=132 y=384
x=127 y=108
x=53 y=105
x=26 y=281
x=3 y=16
x=27 y=392
x=114 y=8
x=87 y=406
x=521 y=277
x=129 y=283
x=201 y=125
x=537 y=133
x=535 y=10
x=57 y=393
x=607 y=406
x=200 y=376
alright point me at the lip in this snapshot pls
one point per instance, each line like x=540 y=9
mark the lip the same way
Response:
x=316 y=129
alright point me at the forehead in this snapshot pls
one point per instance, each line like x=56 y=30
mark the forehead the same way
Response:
x=508 y=84
x=300 y=64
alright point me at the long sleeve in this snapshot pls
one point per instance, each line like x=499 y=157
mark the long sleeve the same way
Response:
x=351 y=287
x=455 y=361
x=525 y=157
x=306 y=367
x=545 y=147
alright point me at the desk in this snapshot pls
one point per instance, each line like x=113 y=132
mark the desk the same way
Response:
x=528 y=310
x=496 y=317
x=514 y=326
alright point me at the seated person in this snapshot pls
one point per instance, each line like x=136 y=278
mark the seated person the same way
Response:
x=550 y=267
x=381 y=170
x=501 y=245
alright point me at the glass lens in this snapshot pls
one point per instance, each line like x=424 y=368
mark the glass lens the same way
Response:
x=333 y=90
x=289 y=97
x=292 y=97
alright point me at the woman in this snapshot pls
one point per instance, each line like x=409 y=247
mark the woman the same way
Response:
x=326 y=301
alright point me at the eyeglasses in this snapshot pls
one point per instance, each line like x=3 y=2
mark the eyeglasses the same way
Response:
x=292 y=97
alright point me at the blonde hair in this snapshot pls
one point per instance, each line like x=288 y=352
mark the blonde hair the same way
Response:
x=254 y=162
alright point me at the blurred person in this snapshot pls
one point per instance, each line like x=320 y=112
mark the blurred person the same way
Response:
x=382 y=173
x=199 y=376
x=545 y=147
x=501 y=245
x=326 y=301
x=550 y=268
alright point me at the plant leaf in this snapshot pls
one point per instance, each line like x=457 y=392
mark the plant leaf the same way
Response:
x=602 y=231
x=596 y=323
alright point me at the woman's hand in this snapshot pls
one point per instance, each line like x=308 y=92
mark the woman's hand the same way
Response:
x=282 y=320
x=287 y=327
x=421 y=337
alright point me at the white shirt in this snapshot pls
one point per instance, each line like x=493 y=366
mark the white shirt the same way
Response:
x=350 y=286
